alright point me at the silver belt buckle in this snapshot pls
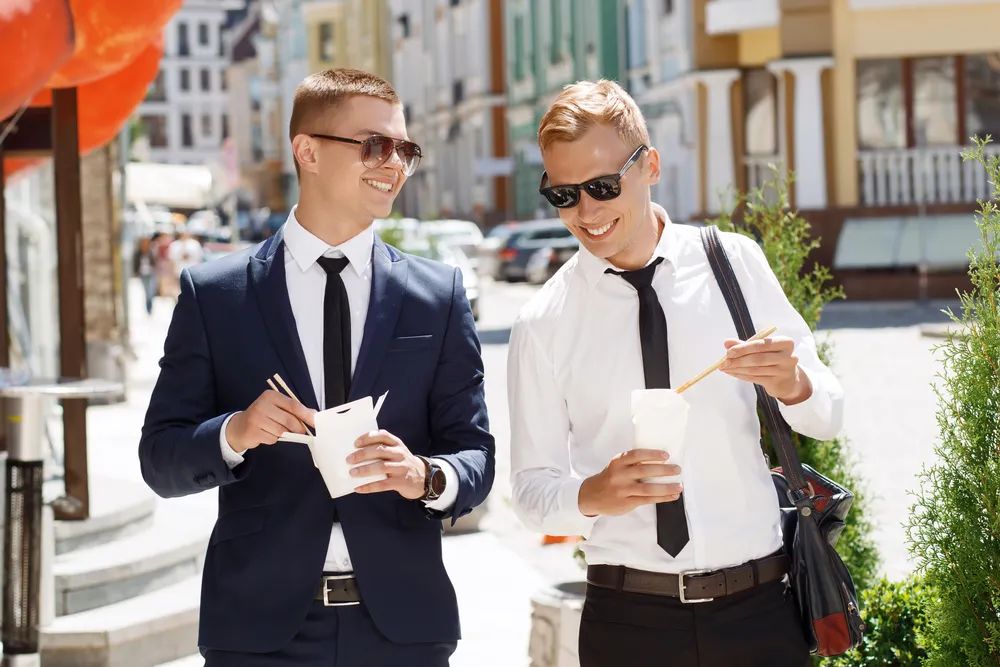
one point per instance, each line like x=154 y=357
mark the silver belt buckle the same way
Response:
x=680 y=586
x=326 y=591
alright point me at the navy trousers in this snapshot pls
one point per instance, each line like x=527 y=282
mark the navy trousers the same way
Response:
x=339 y=637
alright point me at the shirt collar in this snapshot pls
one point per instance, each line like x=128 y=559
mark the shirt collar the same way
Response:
x=305 y=247
x=594 y=267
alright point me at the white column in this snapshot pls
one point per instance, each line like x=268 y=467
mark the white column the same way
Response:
x=719 y=152
x=810 y=154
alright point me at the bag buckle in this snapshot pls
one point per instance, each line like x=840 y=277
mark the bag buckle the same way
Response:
x=327 y=591
x=680 y=586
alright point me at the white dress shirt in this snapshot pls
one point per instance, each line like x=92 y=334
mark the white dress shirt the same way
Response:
x=574 y=360
x=306 y=282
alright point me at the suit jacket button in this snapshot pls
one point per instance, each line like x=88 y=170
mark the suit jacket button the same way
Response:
x=208 y=479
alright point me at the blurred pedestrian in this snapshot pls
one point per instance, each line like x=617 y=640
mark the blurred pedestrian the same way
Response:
x=185 y=252
x=145 y=268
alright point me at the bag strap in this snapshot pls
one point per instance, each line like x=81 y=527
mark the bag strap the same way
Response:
x=781 y=432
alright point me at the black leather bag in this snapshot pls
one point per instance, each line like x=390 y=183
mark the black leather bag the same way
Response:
x=813 y=507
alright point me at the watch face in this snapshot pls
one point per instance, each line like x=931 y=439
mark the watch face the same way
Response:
x=437 y=481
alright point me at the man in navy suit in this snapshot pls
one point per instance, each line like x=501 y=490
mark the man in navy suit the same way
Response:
x=293 y=577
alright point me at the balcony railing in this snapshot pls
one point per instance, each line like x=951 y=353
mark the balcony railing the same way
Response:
x=913 y=176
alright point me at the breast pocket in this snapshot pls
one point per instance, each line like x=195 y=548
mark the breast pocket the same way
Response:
x=409 y=343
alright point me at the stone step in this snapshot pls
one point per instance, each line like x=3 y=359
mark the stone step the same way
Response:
x=118 y=508
x=168 y=550
x=144 y=631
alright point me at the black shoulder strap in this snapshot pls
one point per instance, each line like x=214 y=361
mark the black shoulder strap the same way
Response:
x=781 y=433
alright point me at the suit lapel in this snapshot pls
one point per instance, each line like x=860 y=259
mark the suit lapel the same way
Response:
x=388 y=288
x=267 y=274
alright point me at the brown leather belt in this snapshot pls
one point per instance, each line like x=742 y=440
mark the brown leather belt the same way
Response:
x=339 y=590
x=690 y=586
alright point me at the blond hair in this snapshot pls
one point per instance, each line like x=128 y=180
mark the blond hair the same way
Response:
x=583 y=104
x=321 y=93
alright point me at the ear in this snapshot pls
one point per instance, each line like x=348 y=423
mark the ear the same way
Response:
x=303 y=149
x=652 y=161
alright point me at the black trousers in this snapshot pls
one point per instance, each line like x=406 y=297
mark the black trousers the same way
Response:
x=756 y=628
x=339 y=637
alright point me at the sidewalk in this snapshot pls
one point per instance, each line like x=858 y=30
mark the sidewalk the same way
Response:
x=494 y=583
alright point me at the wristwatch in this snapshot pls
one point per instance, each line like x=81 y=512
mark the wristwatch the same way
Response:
x=434 y=480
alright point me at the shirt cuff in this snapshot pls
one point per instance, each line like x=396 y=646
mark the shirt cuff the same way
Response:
x=230 y=456
x=447 y=499
x=570 y=520
x=814 y=417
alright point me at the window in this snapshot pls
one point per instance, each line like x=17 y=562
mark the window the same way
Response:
x=406 y=112
x=222 y=41
x=224 y=119
x=404 y=25
x=555 y=45
x=457 y=91
x=206 y=125
x=760 y=121
x=518 y=48
x=155 y=127
x=455 y=3
x=223 y=79
x=206 y=80
x=183 y=46
x=187 y=134
x=203 y=34
x=157 y=91
x=881 y=109
x=185 y=79
x=326 y=46
x=935 y=102
x=982 y=95
x=668 y=7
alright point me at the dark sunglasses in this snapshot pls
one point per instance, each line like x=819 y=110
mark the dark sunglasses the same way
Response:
x=376 y=150
x=602 y=188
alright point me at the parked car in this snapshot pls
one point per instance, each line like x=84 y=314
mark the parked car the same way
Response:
x=490 y=246
x=521 y=244
x=463 y=234
x=544 y=263
x=431 y=248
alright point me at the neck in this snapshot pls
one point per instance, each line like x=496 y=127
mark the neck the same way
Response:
x=643 y=243
x=325 y=220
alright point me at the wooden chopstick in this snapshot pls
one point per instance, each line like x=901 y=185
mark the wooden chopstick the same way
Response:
x=714 y=367
x=288 y=392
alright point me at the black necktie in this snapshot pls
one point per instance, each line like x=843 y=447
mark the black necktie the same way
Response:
x=671 y=525
x=336 y=333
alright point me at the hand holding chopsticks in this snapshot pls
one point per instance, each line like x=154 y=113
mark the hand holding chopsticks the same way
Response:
x=271 y=415
x=717 y=365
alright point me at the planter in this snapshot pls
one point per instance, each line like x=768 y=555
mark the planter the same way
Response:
x=555 y=625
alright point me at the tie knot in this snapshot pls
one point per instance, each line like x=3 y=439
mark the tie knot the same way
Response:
x=333 y=265
x=641 y=277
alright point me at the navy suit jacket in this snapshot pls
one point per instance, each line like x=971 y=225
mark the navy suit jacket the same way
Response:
x=232 y=329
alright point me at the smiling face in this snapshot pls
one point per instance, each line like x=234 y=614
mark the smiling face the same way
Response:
x=622 y=230
x=333 y=171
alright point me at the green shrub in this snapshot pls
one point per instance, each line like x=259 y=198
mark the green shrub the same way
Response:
x=954 y=527
x=764 y=214
x=895 y=616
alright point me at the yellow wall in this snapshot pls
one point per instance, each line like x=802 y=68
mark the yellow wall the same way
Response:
x=893 y=33
x=759 y=47
x=315 y=16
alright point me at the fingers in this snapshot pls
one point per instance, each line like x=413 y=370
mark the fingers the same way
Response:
x=656 y=470
x=657 y=490
x=735 y=350
x=635 y=456
x=378 y=437
x=762 y=359
x=390 y=468
x=287 y=420
x=375 y=453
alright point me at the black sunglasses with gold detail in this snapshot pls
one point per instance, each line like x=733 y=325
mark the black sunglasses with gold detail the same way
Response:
x=602 y=188
x=377 y=149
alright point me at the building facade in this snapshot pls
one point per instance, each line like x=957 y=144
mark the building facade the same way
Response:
x=448 y=63
x=185 y=117
x=870 y=118
x=552 y=43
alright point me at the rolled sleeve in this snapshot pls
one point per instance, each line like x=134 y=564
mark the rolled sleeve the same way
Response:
x=821 y=415
x=545 y=491
x=229 y=455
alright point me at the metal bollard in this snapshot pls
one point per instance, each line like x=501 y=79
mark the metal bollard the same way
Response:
x=23 y=608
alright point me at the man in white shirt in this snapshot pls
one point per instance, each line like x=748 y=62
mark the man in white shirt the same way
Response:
x=293 y=576
x=639 y=308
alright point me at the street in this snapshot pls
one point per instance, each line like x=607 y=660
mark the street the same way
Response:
x=886 y=371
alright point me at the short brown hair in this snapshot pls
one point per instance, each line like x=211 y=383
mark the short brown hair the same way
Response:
x=321 y=93
x=583 y=104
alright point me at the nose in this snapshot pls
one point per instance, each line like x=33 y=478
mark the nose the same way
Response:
x=588 y=209
x=395 y=162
